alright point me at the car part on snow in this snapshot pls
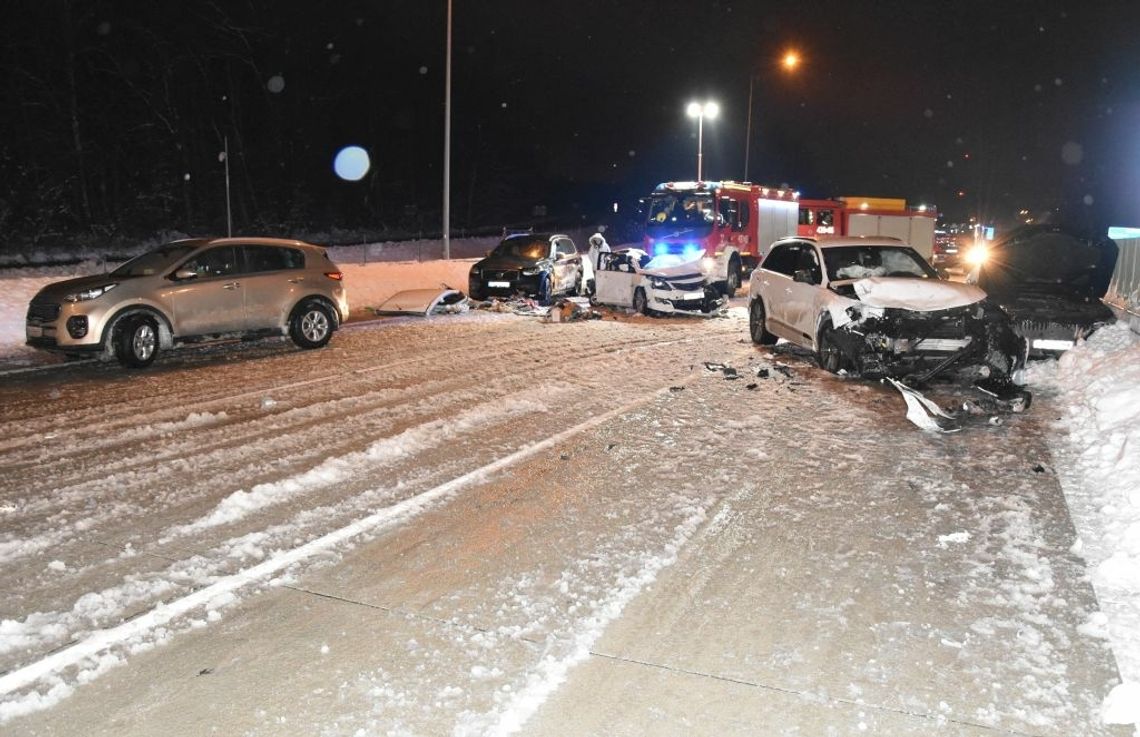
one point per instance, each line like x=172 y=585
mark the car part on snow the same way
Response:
x=424 y=302
x=923 y=412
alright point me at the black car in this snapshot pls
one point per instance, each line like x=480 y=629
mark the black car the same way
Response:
x=534 y=265
x=1050 y=279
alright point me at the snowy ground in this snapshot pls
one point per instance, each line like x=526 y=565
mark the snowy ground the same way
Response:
x=485 y=524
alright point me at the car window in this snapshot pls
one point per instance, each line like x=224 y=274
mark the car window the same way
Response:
x=220 y=261
x=782 y=259
x=806 y=260
x=564 y=247
x=272 y=258
x=523 y=247
x=861 y=262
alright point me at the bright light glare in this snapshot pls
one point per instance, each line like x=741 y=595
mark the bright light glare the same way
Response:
x=791 y=60
x=977 y=255
x=351 y=163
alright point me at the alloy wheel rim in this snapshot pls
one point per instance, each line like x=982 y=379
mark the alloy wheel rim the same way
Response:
x=143 y=342
x=314 y=325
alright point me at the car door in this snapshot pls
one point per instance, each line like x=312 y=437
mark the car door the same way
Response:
x=776 y=275
x=801 y=306
x=272 y=282
x=615 y=280
x=567 y=265
x=211 y=299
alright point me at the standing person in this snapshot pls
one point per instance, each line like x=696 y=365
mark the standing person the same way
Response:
x=598 y=246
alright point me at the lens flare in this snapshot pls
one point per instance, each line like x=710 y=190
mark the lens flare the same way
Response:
x=351 y=163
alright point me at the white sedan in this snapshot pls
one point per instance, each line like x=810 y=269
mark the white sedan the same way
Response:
x=664 y=285
x=875 y=307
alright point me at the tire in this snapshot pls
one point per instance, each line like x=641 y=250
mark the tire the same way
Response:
x=827 y=352
x=544 y=295
x=640 y=302
x=757 y=324
x=732 y=283
x=135 y=341
x=311 y=325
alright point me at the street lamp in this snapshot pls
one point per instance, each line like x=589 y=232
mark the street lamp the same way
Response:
x=789 y=61
x=700 y=111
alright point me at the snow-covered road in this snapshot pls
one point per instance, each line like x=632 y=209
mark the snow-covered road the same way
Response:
x=486 y=524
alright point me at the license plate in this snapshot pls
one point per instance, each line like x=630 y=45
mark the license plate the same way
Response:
x=499 y=284
x=693 y=295
x=35 y=331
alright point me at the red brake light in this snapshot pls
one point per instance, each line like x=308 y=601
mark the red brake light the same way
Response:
x=335 y=275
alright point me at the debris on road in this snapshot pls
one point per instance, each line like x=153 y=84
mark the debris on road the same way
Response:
x=424 y=302
x=571 y=310
x=728 y=371
x=923 y=412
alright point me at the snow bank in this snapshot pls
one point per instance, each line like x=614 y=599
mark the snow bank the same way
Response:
x=1098 y=387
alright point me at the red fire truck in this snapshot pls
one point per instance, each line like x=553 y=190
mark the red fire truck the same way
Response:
x=728 y=225
x=870 y=216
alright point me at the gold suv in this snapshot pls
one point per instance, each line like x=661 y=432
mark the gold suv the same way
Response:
x=190 y=291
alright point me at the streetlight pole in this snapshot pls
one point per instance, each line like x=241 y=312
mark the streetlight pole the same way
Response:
x=447 y=145
x=700 y=111
x=789 y=62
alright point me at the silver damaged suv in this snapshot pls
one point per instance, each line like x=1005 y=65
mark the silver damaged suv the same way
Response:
x=189 y=291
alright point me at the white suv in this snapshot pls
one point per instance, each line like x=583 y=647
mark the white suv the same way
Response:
x=874 y=307
x=193 y=290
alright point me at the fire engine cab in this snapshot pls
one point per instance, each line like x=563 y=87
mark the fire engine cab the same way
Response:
x=729 y=226
x=870 y=216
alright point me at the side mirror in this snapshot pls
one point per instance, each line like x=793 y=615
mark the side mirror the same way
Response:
x=803 y=276
x=184 y=274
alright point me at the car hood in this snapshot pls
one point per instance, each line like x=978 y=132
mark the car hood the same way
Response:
x=918 y=295
x=506 y=263
x=56 y=291
x=1049 y=260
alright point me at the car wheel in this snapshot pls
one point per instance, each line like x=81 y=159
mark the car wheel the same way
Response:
x=136 y=341
x=827 y=352
x=544 y=289
x=732 y=283
x=311 y=325
x=640 y=302
x=757 y=325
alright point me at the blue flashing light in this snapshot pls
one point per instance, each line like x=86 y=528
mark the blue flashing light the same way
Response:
x=660 y=248
x=691 y=251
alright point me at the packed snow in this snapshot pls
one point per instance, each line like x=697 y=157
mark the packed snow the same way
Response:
x=1096 y=385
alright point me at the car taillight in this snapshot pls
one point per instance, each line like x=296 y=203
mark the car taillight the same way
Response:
x=335 y=275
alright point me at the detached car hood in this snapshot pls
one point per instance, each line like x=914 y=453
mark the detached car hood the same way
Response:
x=1050 y=260
x=918 y=295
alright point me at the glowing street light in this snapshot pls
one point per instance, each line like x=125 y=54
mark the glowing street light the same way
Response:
x=790 y=61
x=700 y=111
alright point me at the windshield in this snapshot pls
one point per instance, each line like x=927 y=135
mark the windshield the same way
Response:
x=860 y=262
x=680 y=214
x=158 y=260
x=533 y=249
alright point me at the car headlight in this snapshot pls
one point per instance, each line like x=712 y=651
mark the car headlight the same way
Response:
x=658 y=283
x=531 y=272
x=977 y=255
x=89 y=294
x=476 y=272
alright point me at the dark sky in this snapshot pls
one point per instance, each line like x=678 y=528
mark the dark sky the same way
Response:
x=117 y=108
x=1017 y=105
